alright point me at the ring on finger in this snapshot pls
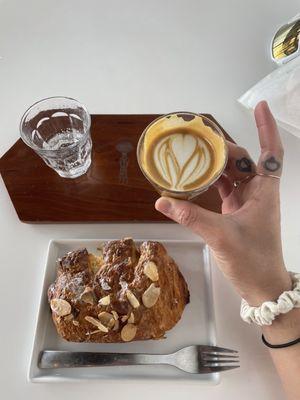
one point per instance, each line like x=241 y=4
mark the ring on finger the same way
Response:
x=270 y=175
x=237 y=183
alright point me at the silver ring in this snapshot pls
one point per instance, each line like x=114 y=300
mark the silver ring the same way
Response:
x=270 y=175
x=236 y=184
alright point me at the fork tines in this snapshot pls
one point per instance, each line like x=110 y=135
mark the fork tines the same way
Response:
x=217 y=360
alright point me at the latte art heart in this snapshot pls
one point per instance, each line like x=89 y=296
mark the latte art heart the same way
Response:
x=182 y=159
x=182 y=154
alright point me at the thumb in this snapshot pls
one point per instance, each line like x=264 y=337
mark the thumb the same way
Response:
x=201 y=221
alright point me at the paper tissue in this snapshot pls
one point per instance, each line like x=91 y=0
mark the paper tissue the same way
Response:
x=281 y=89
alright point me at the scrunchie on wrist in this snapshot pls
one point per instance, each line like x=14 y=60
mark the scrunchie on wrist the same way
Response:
x=269 y=310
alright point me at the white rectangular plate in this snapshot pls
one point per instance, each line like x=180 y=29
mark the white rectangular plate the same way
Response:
x=196 y=326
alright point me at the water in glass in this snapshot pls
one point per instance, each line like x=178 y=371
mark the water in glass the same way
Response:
x=57 y=129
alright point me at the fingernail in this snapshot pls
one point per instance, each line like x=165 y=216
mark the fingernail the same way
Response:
x=163 y=205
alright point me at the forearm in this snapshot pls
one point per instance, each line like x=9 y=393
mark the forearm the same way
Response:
x=286 y=328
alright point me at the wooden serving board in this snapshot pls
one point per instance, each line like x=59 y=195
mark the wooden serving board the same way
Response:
x=113 y=190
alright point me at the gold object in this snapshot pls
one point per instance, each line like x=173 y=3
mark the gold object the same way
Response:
x=285 y=44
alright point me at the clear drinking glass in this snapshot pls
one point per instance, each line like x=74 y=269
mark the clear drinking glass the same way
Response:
x=58 y=130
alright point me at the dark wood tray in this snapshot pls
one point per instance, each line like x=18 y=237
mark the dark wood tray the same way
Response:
x=113 y=189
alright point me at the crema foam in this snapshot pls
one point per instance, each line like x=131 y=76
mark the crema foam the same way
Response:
x=180 y=152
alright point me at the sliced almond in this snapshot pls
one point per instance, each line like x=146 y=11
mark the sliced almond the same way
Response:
x=124 y=318
x=93 y=332
x=132 y=299
x=87 y=296
x=117 y=325
x=128 y=332
x=96 y=323
x=76 y=323
x=106 y=319
x=69 y=317
x=104 y=301
x=95 y=262
x=150 y=296
x=60 y=307
x=115 y=315
x=131 y=318
x=150 y=270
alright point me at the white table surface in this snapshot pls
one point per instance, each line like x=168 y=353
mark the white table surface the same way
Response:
x=134 y=56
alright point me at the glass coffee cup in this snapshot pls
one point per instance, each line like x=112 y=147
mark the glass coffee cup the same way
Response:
x=182 y=154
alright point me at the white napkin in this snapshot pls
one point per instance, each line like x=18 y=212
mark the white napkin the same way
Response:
x=281 y=89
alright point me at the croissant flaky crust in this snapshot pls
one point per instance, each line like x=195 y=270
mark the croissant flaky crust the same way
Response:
x=123 y=295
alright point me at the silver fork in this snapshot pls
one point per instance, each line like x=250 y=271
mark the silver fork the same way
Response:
x=195 y=359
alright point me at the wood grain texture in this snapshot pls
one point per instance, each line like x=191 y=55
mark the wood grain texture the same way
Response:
x=113 y=190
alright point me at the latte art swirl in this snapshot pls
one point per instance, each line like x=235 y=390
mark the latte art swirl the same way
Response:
x=182 y=154
x=181 y=159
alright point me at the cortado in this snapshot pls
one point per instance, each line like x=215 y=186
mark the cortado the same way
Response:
x=182 y=154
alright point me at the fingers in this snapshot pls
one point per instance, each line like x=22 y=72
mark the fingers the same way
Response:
x=267 y=129
x=270 y=161
x=224 y=186
x=239 y=165
x=199 y=220
x=230 y=195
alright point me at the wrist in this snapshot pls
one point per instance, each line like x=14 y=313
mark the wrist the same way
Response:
x=279 y=317
x=285 y=328
x=269 y=291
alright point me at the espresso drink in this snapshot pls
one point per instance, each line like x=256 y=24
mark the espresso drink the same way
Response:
x=182 y=152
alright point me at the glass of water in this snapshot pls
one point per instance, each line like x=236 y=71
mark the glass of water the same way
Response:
x=58 y=130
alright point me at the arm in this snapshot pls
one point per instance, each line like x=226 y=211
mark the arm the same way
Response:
x=287 y=361
x=285 y=328
x=246 y=238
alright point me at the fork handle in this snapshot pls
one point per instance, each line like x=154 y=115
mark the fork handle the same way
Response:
x=68 y=359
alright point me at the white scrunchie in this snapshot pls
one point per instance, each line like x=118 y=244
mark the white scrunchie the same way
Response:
x=268 y=311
